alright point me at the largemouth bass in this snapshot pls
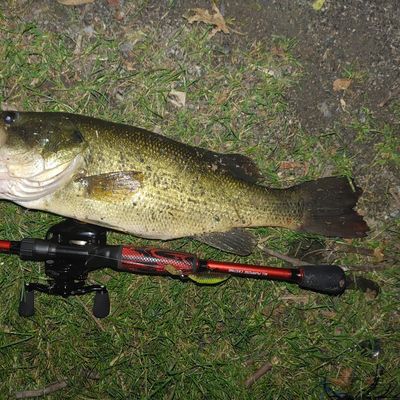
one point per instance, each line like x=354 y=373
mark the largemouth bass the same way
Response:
x=136 y=181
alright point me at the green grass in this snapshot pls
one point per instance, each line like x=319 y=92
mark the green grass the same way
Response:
x=166 y=339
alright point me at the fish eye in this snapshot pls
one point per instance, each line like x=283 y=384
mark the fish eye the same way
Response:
x=78 y=136
x=10 y=117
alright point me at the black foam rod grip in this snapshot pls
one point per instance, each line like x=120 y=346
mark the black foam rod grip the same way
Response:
x=328 y=279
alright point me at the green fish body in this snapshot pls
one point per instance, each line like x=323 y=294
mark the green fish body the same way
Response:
x=136 y=181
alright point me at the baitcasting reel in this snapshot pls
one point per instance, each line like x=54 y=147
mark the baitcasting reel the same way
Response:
x=67 y=276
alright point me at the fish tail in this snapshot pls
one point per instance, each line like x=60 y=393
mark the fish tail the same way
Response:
x=328 y=208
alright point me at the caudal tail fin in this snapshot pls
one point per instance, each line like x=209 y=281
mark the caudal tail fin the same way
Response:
x=328 y=208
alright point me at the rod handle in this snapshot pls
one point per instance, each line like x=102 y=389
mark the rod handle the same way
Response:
x=328 y=279
x=151 y=260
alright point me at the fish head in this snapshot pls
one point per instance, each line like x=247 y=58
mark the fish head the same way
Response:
x=39 y=153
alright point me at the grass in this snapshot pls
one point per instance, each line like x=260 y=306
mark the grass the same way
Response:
x=166 y=339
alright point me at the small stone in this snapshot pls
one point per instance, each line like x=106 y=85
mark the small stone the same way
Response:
x=324 y=108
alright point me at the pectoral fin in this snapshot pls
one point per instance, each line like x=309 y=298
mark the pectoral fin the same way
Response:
x=112 y=186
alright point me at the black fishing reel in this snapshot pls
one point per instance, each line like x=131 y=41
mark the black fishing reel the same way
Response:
x=67 y=277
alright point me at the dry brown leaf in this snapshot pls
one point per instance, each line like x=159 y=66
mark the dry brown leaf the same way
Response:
x=176 y=98
x=344 y=379
x=133 y=38
x=278 y=51
x=75 y=2
x=341 y=84
x=379 y=255
x=216 y=19
x=328 y=314
x=222 y=97
x=371 y=294
x=129 y=66
x=291 y=165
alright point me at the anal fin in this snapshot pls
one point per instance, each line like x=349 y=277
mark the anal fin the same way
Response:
x=236 y=241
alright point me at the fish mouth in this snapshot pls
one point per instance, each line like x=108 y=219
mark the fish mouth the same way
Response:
x=23 y=189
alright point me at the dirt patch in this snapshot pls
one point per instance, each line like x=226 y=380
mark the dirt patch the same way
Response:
x=358 y=39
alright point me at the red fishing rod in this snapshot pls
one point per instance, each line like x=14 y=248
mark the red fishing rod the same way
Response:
x=71 y=250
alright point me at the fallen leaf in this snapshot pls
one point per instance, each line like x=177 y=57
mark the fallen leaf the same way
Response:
x=278 y=51
x=341 y=84
x=379 y=256
x=216 y=19
x=222 y=97
x=176 y=98
x=133 y=38
x=34 y=81
x=276 y=73
x=129 y=66
x=344 y=379
x=119 y=15
x=196 y=140
x=328 y=314
x=291 y=165
x=116 y=5
x=75 y=2
x=343 y=104
x=318 y=4
x=371 y=294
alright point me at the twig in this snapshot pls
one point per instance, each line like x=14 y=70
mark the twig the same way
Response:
x=41 y=392
x=296 y=299
x=392 y=93
x=258 y=374
x=294 y=261
x=90 y=374
x=367 y=268
x=347 y=248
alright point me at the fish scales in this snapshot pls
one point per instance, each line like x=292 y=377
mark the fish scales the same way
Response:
x=181 y=195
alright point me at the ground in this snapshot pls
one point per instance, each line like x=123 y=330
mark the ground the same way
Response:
x=265 y=89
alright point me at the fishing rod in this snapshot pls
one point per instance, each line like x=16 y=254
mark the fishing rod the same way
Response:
x=71 y=250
